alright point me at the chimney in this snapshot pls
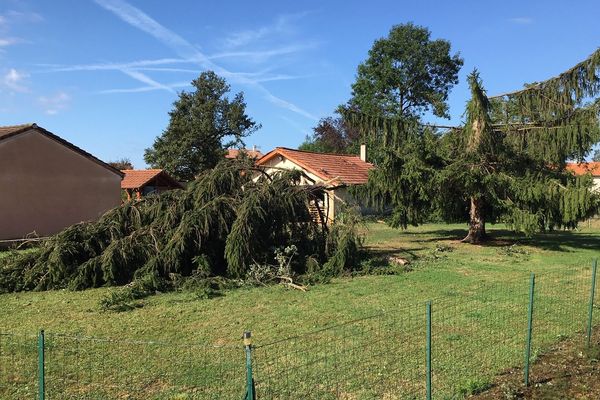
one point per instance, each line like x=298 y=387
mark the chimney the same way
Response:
x=254 y=147
x=363 y=152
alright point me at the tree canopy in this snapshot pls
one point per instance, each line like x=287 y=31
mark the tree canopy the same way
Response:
x=405 y=75
x=333 y=135
x=123 y=163
x=596 y=156
x=202 y=124
x=507 y=163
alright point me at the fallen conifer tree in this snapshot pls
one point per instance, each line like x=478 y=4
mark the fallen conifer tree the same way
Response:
x=219 y=226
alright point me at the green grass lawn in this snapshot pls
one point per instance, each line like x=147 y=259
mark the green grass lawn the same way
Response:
x=479 y=307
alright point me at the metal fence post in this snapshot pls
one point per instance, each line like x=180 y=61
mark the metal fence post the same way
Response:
x=529 y=327
x=250 y=391
x=41 y=366
x=428 y=351
x=591 y=306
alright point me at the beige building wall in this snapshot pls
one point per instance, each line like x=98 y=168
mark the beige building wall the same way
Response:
x=339 y=198
x=46 y=186
x=335 y=199
x=277 y=164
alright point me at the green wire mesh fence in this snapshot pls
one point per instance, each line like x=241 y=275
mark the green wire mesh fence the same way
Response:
x=18 y=366
x=90 y=368
x=467 y=339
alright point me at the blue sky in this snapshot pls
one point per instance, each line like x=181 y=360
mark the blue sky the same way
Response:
x=104 y=73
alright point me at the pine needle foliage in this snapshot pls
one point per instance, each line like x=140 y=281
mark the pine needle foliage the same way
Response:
x=219 y=225
x=507 y=163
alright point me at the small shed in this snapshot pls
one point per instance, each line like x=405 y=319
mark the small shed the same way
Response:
x=48 y=183
x=142 y=182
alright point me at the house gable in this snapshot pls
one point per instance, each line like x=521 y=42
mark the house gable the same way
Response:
x=47 y=185
x=282 y=163
x=330 y=169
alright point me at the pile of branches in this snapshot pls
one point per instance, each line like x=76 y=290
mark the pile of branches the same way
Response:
x=219 y=226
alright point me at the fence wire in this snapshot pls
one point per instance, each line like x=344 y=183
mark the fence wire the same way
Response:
x=18 y=366
x=476 y=334
x=91 y=368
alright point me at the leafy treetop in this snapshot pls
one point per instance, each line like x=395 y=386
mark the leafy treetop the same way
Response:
x=332 y=135
x=121 y=164
x=203 y=123
x=406 y=74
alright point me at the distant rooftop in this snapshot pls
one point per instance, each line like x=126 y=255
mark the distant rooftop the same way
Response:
x=12 y=129
x=252 y=153
x=584 y=168
x=137 y=178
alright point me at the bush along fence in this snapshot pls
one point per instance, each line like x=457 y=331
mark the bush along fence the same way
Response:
x=448 y=347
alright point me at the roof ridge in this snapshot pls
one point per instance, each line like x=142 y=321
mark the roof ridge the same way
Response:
x=11 y=131
x=318 y=153
x=32 y=124
x=144 y=169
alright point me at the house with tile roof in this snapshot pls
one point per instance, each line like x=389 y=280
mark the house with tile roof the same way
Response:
x=142 y=182
x=48 y=183
x=592 y=168
x=253 y=153
x=334 y=173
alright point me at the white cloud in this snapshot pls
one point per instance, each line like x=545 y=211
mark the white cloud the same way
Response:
x=142 y=89
x=242 y=38
x=12 y=17
x=133 y=68
x=9 y=41
x=137 y=75
x=521 y=20
x=54 y=104
x=180 y=85
x=20 y=16
x=263 y=55
x=114 y=66
x=140 y=20
x=281 y=25
x=14 y=80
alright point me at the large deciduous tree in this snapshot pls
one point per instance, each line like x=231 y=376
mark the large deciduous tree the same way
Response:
x=122 y=163
x=203 y=123
x=507 y=163
x=406 y=74
x=332 y=135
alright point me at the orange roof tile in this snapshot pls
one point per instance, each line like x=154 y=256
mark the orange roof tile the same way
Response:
x=233 y=153
x=13 y=129
x=333 y=168
x=137 y=178
x=584 y=168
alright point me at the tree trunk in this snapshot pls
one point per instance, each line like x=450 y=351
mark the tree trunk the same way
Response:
x=476 y=223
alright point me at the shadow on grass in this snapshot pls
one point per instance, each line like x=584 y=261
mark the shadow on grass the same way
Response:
x=556 y=241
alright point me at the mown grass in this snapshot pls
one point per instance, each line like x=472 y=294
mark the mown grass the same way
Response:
x=479 y=313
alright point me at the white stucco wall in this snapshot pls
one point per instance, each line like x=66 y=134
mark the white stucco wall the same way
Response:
x=278 y=163
x=335 y=199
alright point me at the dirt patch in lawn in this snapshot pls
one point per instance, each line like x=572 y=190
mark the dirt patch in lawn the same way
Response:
x=567 y=371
